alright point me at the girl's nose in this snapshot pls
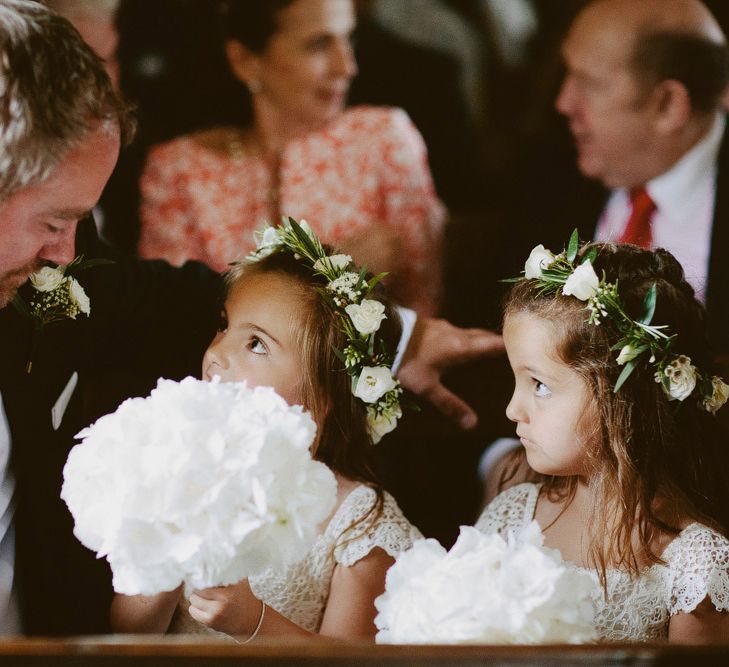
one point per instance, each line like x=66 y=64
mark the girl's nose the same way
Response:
x=513 y=411
x=214 y=355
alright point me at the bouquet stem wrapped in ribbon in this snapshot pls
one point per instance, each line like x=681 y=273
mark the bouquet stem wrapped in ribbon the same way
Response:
x=201 y=483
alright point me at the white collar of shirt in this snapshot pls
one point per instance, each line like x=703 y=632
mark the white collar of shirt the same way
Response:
x=684 y=197
x=9 y=618
x=678 y=193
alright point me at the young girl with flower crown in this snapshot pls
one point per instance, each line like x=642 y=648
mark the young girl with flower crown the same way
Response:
x=303 y=321
x=614 y=404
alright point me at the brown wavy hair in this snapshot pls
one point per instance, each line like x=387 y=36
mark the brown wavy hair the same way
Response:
x=657 y=463
x=325 y=388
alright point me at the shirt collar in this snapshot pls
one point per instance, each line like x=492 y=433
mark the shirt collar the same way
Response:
x=678 y=193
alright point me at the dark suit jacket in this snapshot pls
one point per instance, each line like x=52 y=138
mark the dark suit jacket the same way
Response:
x=556 y=198
x=144 y=315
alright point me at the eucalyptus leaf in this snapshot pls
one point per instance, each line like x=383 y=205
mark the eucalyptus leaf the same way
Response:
x=649 y=305
x=627 y=370
x=573 y=246
x=591 y=256
x=373 y=281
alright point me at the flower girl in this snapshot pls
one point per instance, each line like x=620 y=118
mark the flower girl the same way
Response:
x=304 y=322
x=616 y=417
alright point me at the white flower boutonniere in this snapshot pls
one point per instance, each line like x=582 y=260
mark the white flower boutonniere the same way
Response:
x=56 y=296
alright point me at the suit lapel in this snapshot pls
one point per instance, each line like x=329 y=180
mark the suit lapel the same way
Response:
x=717 y=299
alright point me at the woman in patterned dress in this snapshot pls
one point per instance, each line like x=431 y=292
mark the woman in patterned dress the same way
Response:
x=360 y=176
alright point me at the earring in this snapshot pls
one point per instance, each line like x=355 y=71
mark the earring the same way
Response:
x=254 y=86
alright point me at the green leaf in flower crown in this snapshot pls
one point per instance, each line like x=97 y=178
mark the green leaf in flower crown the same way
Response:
x=649 y=305
x=591 y=256
x=304 y=240
x=339 y=354
x=627 y=370
x=573 y=246
x=373 y=281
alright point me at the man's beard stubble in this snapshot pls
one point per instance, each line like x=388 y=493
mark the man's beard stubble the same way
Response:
x=10 y=282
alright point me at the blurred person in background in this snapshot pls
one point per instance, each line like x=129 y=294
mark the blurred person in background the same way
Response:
x=360 y=177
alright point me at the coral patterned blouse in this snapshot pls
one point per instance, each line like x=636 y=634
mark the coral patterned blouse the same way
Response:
x=368 y=167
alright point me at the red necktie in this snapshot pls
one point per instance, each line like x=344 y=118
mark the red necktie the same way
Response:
x=638 y=229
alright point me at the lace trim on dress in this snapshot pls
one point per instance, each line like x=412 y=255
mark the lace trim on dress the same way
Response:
x=391 y=531
x=698 y=566
x=511 y=510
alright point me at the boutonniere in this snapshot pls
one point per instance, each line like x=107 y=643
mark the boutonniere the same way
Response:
x=55 y=296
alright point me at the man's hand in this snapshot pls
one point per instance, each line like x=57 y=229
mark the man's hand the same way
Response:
x=435 y=346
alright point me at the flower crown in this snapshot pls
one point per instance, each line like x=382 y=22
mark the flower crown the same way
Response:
x=365 y=356
x=639 y=339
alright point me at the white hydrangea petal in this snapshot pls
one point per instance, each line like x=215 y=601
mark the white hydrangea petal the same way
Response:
x=200 y=483
x=486 y=589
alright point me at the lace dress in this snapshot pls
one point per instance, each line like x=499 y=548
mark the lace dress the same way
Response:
x=301 y=593
x=637 y=609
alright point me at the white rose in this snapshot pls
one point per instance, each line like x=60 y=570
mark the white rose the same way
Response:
x=381 y=424
x=335 y=261
x=628 y=353
x=367 y=315
x=79 y=297
x=539 y=259
x=47 y=279
x=373 y=383
x=719 y=395
x=681 y=377
x=583 y=282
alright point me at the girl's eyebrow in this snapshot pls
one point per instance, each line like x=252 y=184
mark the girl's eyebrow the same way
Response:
x=536 y=371
x=255 y=327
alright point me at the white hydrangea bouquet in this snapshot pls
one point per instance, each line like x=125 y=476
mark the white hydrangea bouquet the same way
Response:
x=485 y=590
x=201 y=483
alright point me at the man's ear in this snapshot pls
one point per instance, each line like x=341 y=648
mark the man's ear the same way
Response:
x=244 y=64
x=672 y=105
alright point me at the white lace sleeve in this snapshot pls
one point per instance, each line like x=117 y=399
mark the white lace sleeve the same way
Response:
x=698 y=566
x=511 y=510
x=392 y=532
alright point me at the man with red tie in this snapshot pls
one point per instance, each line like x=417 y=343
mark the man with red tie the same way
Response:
x=643 y=97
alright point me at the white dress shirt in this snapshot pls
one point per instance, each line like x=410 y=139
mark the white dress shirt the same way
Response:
x=684 y=198
x=9 y=618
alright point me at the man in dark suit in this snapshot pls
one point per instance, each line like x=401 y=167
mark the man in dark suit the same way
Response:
x=61 y=126
x=643 y=94
x=144 y=315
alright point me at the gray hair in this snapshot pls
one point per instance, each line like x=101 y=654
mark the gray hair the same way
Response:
x=53 y=91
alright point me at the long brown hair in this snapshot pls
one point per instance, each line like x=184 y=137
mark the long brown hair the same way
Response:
x=325 y=388
x=657 y=462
